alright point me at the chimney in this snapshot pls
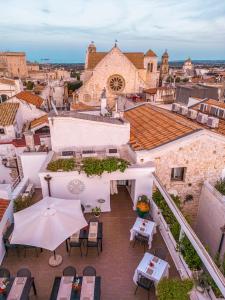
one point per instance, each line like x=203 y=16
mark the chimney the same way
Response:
x=29 y=139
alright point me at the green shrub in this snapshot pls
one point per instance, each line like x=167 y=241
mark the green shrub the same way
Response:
x=21 y=203
x=189 y=254
x=167 y=213
x=61 y=164
x=220 y=186
x=174 y=289
x=95 y=166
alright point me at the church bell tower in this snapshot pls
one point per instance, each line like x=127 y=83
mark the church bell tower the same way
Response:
x=164 y=68
x=91 y=48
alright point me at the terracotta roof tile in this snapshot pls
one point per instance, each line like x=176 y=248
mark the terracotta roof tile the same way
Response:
x=152 y=127
x=3 y=207
x=150 y=53
x=8 y=113
x=137 y=58
x=30 y=98
x=39 y=121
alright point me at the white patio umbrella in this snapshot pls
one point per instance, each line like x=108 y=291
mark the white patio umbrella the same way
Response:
x=47 y=224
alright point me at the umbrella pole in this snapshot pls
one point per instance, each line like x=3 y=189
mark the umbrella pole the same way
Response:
x=54 y=255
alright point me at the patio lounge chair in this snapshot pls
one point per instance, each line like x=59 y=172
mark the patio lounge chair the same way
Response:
x=4 y=273
x=24 y=272
x=144 y=283
x=89 y=271
x=69 y=271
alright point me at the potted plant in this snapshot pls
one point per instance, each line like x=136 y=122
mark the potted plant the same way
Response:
x=96 y=211
x=143 y=206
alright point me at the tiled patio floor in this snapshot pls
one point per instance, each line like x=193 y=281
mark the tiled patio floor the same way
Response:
x=116 y=264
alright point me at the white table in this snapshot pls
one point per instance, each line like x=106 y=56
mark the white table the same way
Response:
x=160 y=269
x=149 y=230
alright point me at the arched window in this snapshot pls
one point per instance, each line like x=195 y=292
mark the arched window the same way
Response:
x=150 y=67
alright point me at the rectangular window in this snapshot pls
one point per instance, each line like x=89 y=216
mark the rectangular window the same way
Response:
x=177 y=174
x=2 y=131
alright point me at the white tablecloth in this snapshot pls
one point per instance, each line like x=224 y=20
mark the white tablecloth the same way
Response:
x=160 y=269
x=149 y=230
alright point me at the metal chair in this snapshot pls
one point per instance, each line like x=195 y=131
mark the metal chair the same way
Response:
x=73 y=244
x=144 y=283
x=143 y=240
x=4 y=273
x=89 y=271
x=160 y=253
x=69 y=271
x=92 y=245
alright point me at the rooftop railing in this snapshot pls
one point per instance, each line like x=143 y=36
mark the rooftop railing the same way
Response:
x=206 y=259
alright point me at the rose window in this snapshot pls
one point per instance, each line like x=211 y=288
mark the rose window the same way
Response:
x=116 y=83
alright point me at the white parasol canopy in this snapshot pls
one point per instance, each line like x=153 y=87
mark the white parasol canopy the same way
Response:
x=48 y=223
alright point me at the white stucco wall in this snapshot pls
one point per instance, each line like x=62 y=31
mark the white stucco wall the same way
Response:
x=31 y=164
x=28 y=111
x=98 y=187
x=69 y=132
x=211 y=217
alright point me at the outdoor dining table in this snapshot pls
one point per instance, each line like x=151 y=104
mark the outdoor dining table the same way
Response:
x=144 y=227
x=16 y=292
x=84 y=235
x=152 y=267
x=75 y=295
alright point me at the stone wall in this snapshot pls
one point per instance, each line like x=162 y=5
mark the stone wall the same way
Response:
x=115 y=62
x=203 y=156
x=16 y=63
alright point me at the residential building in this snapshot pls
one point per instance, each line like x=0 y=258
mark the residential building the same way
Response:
x=9 y=88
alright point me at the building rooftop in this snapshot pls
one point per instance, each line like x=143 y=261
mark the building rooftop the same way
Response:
x=7 y=81
x=4 y=203
x=137 y=58
x=80 y=106
x=89 y=117
x=39 y=121
x=8 y=113
x=152 y=127
x=150 y=53
x=30 y=98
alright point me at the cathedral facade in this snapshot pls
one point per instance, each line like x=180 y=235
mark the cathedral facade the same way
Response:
x=118 y=72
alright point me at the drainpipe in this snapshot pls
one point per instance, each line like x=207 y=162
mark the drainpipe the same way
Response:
x=48 y=178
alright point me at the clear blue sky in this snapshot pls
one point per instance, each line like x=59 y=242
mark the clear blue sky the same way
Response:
x=61 y=30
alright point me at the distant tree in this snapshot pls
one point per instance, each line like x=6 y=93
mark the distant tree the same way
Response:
x=72 y=86
x=30 y=85
x=185 y=80
x=169 y=79
x=177 y=79
x=75 y=74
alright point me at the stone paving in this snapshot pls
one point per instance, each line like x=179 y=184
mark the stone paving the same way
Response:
x=116 y=264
